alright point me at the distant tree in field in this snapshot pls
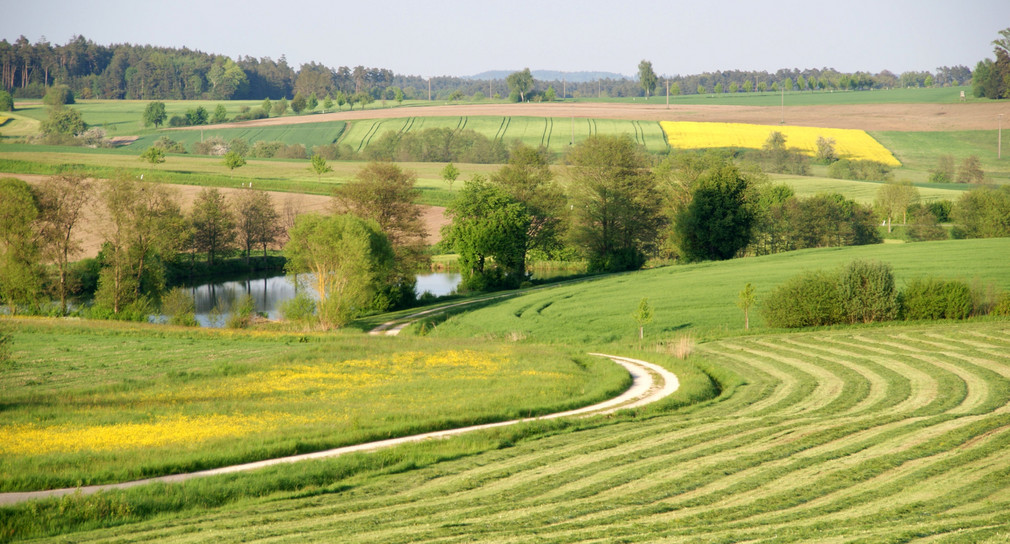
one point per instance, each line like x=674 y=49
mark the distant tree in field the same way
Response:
x=233 y=160
x=398 y=95
x=944 y=171
x=801 y=83
x=280 y=107
x=267 y=105
x=826 y=150
x=616 y=205
x=924 y=226
x=718 y=221
x=788 y=84
x=62 y=200
x=327 y=103
x=257 y=221
x=220 y=114
x=21 y=276
x=745 y=300
x=647 y=78
x=213 y=224
x=362 y=98
x=718 y=88
x=520 y=82
x=734 y=87
x=197 y=116
x=748 y=86
x=675 y=89
x=298 y=103
x=450 y=173
x=642 y=316
x=701 y=89
x=983 y=212
x=154 y=114
x=347 y=257
x=153 y=155
x=58 y=95
x=893 y=200
x=971 y=170
x=313 y=102
x=550 y=95
x=762 y=86
x=66 y=122
x=318 y=165
x=6 y=101
x=867 y=292
x=340 y=98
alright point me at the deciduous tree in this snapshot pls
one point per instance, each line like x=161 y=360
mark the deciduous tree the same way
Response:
x=257 y=221
x=62 y=200
x=520 y=82
x=646 y=77
x=318 y=165
x=154 y=114
x=893 y=199
x=718 y=221
x=213 y=224
x=21 y=277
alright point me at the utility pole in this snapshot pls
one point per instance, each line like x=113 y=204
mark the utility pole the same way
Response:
x=999 y=138
x=489 y=90
x=564 y=89
x=668 y=94
x=429 y=89
x=783 y=105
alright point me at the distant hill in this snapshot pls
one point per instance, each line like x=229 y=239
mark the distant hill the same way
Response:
x=551 y=75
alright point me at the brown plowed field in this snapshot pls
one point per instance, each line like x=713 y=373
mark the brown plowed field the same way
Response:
x=903 y=117
x=90 y=232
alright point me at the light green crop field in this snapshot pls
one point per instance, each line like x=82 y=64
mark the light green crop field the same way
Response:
x=554 y=133
x=933 y=95
x=308 y=134
x=700 y=299
x=94 y=402
x=864 y=192
x=920 y=151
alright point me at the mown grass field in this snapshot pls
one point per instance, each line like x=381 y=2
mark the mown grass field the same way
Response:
x=700 y=299
x=97 y=402
x=920 y=151
x=554 y=133
x=864 y=192
x=894 y=434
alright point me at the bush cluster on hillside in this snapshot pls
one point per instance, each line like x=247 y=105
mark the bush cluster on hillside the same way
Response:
x=864 y=292
x=437 y=145
x=859 y=170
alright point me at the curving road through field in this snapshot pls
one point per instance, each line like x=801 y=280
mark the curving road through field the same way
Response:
x=649 y=383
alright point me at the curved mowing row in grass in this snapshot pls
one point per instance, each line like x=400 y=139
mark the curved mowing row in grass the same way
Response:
x=867 y=435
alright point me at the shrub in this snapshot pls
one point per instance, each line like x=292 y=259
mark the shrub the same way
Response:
x=169 y=145
x=301 y=308
x=179 y=307
x=215 y=146
x=809 y=299
x=859 y=170
x=867 y=292
x=58 y=95
x=242 y=312
x=1003 y=306
x=240 y=146
x=248 y=114
x=178 y=121
x=924 y=226
x=933 y=298
x=6 y=101
x=944 y=171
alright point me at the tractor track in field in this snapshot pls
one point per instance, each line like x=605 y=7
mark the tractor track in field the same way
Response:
x=649 y=383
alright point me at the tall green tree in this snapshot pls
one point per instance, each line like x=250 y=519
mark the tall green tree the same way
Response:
x=520 y=82
x=62 y=201
x=21 y=276
x=155 y=114
x=318 y=165
x=646 y=77
x=893 y=200
x=213 y=224
x=487 y=227
x=528 y=179
x=983 y=212
x=347 y=257
x=717 y=223
x=257 y=221
x=616 y=206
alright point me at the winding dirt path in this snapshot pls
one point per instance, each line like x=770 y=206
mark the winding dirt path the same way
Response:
x=650 y=383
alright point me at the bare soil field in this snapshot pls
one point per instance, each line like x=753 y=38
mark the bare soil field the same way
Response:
x=90 y=232
x=883 y=117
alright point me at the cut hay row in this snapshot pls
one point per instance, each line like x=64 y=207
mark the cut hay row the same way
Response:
x=917 y=454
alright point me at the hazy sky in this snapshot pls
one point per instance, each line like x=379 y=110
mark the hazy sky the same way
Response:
x=431 y=38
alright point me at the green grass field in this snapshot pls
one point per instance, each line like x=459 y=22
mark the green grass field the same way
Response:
x=98 y=402
x=554 y=133
x=935 y=95
x=919 y=152
x=700 y=299
x=864 y=192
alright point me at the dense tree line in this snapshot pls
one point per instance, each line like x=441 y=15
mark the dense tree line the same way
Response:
x=992 y=78
x=145 y=72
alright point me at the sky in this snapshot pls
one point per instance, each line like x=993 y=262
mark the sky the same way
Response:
x=464 y=38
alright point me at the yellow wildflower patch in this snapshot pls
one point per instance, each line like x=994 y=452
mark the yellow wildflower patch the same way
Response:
x=29 y=439
x=849 y=143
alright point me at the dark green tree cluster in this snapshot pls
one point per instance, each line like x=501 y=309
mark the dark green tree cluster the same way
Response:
x=436 y=145
x=785 y=222
x=991 y=79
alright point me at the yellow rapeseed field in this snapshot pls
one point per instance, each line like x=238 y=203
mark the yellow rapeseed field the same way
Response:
x=849 y=143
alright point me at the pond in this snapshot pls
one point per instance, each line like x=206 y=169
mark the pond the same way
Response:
x=213 y=299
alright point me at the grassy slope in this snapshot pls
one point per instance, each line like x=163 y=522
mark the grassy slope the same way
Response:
x=700 y=299
x=136 y=397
